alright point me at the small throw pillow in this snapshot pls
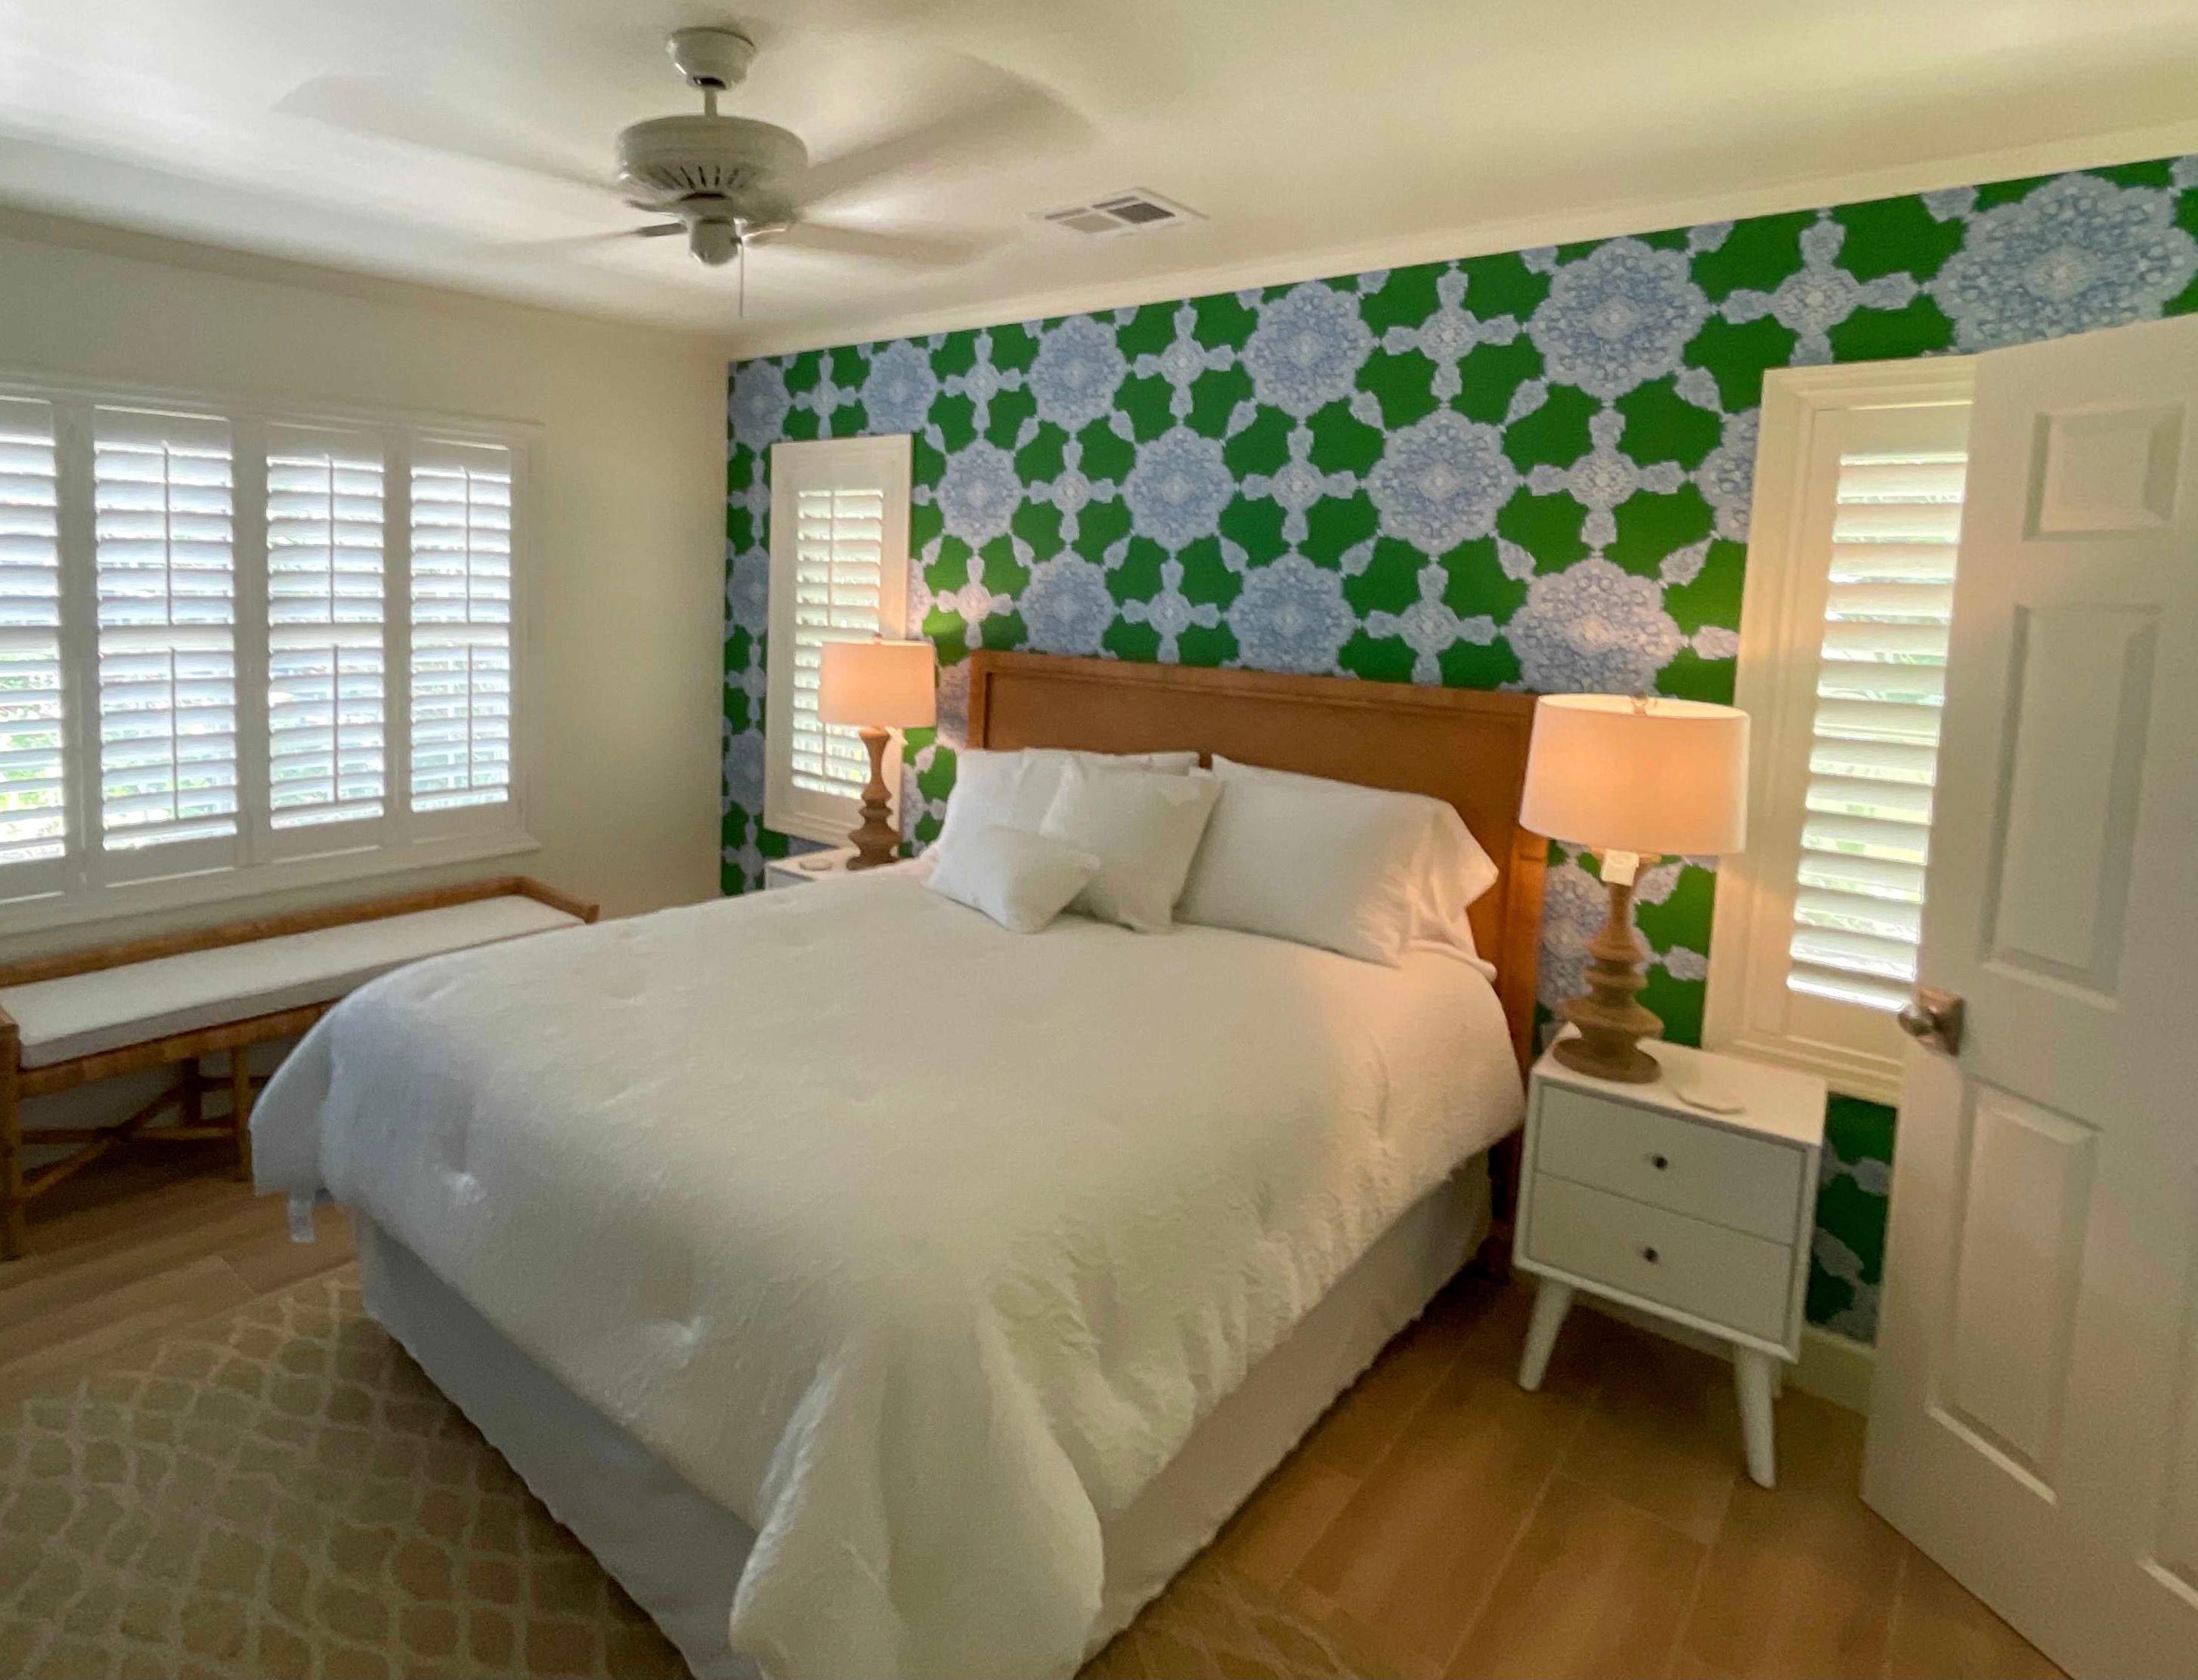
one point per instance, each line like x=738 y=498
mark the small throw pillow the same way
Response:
x=1016 y=789
x=1022 y=881
x=1145 y=827
x=1316 y=863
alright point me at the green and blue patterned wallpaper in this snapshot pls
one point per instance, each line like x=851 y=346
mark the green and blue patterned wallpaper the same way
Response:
x=1525 y=470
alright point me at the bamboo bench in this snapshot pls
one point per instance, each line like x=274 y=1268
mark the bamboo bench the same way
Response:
x=174 y=999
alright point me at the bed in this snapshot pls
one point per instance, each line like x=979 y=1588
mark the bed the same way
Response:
x=876 y=1291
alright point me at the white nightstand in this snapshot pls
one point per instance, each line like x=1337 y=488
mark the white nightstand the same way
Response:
x=806 y=868
x=1702 y=1219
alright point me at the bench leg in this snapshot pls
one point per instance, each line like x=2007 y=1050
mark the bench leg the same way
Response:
x=193 y=1086
x=240 y=1110
x=13 y=1238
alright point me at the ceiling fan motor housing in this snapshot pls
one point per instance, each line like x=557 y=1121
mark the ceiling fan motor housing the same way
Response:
x=668 y=159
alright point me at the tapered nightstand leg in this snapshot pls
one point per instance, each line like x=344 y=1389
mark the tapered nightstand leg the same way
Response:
x=1751 y=1376
x=1552 y=1300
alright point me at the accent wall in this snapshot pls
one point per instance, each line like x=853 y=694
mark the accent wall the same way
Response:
x=1530 y=469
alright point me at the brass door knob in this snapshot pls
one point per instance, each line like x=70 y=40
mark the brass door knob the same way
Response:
x=1933 y=1018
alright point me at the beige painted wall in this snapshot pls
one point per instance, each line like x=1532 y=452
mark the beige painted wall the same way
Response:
x=628 y=586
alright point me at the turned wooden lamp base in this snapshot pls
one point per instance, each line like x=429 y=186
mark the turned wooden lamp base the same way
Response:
x=1608 y=1014
x=876 y=840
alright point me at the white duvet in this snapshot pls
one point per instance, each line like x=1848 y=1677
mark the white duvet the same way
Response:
x=918 y=1244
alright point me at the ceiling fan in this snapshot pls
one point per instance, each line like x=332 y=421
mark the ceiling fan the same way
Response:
x=726 y=182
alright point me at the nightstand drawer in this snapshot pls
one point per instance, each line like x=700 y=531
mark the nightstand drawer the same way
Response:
x=1690 y=1166
x=1723 y=1277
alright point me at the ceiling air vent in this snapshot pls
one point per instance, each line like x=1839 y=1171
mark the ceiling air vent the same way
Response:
x=1123 y=214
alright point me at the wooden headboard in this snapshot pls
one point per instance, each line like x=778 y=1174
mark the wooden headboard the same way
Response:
x=1466 y=746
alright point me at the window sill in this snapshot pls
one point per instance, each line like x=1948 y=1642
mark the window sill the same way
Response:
x=152 y=897
x=1849 y=1072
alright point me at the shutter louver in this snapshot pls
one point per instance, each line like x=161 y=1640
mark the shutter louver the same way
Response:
x=837 y=582
x=325 y=702
x=166 y=589
x=1865 y=837
x=461 y=669
x=33 y=787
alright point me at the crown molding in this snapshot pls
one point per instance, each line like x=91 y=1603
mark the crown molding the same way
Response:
x=39 y=227
x=1606 y=220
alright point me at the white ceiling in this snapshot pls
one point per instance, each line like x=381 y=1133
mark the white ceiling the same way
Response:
x=1316 y=135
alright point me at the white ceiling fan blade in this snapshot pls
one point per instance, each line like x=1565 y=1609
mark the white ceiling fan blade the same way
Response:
x=1011 y=119
x=387 y=108
x=583 y=242
x=879 y=245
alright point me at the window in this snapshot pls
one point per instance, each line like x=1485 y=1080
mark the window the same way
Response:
x=839 y=572
x=213 y=679
x=33 y=805
x=1842 y=667
x=461 y=627
x=327 y=623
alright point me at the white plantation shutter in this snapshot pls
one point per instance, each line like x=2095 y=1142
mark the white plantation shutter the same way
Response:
x=166 y=572
x=836 y=561
x=1858 y=908
x=1853 y=533
x=326 y=695
x=244 y=649
x=460 y=587
x=33 y=788
x=839 y=536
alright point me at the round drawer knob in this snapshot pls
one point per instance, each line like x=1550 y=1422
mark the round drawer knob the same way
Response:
x=1649 y=1255
x=1659 y=1162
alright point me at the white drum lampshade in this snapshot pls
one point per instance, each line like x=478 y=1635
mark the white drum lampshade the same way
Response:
x=873 y=687
x=1632 y=779
x=1654 y=777
x=878 y=685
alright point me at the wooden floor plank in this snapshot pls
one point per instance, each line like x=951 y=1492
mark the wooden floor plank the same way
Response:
x=1661 y=1433
x=1595 y=1586
x=74 y=1338
x=1414 y=1550
x=1801 y=1580
x=1941 y=1632
x=1268 y=1539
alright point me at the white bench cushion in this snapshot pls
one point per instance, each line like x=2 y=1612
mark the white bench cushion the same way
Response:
x=63 y=1019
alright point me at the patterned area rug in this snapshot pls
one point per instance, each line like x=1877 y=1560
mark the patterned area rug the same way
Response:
x=285 y=1494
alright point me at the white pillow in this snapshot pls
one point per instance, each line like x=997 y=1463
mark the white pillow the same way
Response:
x=1016 y=789
x=1321 y=864
x=1365 y=871
x=1145 y=826
x=1022 y=881
x=1454 y=872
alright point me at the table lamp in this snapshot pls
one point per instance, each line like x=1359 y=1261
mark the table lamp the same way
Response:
x=1632 y=779
x=876 y=687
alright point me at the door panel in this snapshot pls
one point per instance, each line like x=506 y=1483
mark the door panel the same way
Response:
x=2033 y=1425
x=2175 y=1547
x=2107 y=468
x=2029 y=1193
x=2083 y=689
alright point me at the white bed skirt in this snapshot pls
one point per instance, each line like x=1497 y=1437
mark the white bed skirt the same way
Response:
x=680 y=1553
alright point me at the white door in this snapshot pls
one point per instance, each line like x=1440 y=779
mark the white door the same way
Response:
x=2034 y=1424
